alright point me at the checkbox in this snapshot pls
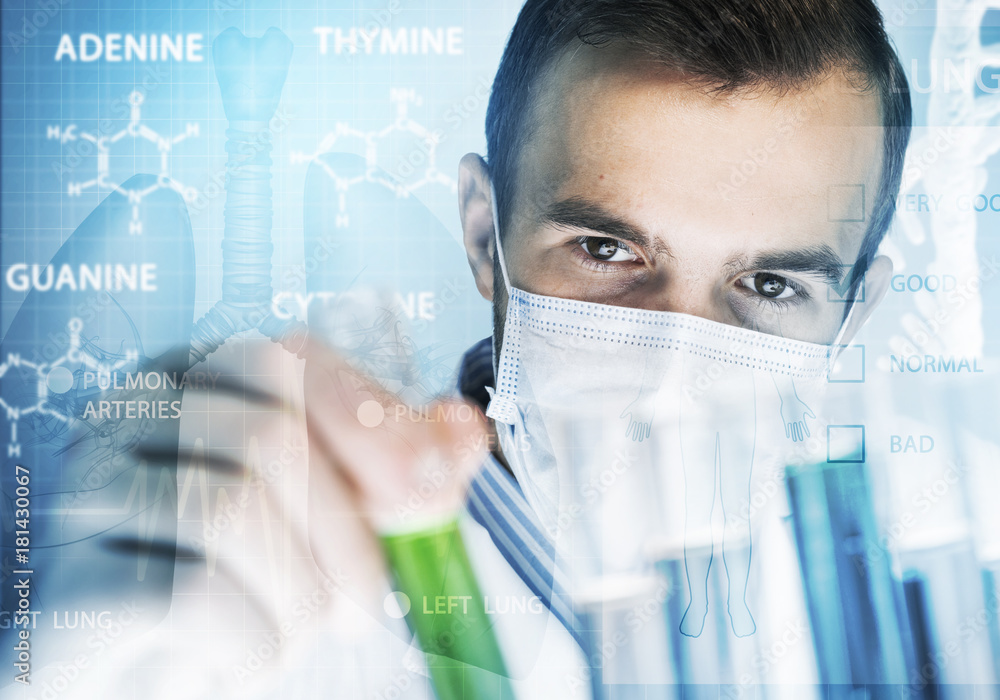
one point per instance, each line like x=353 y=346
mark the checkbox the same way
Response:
x=849 y=367
x=845 y=203
x=845 y=444
x=841 y=293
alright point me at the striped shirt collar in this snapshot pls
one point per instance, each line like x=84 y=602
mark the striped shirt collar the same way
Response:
x=497 y=503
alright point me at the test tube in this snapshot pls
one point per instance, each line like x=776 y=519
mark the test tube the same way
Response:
x=952 y=617
x=610 y=503
x=432 y=569
x=991 y=585
x=629 y=652
x=853 y=601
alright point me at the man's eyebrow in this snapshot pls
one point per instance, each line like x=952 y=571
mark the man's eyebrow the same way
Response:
x=577 y=212
x=822 y=260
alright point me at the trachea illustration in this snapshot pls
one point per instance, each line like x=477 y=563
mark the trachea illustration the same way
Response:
x=251 y=73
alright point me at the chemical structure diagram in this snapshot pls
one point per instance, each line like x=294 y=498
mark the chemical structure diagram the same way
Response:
x=43 y=383
x=135 y=130
x=424 y=157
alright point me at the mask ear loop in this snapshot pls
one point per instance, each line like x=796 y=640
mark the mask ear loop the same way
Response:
x=496 y=238
x=501 y=408
x=838 y=346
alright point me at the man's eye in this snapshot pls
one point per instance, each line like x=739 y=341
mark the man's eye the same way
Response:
x=608 y=249
x=769 y=285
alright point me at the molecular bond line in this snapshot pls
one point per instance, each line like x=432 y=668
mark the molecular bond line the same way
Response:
x=422 y=160
x=135 y=130
x=53 y=378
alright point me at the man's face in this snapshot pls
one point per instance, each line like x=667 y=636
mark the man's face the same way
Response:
x=635 y=189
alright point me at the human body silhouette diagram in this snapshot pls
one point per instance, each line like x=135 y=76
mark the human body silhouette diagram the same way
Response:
x=718 y=428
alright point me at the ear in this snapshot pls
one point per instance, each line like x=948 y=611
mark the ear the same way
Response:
x=876 y=284
x=475 y=208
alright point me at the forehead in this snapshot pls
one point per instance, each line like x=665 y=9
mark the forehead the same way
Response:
x=629 y=133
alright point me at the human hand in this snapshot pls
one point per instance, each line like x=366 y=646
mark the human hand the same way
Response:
x=639 y=424
x=793 y=414
x=401 y=463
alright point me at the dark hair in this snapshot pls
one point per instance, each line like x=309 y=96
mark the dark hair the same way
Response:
x=725 y=45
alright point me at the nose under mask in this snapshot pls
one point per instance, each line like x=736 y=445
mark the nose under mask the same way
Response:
x=639 y=371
